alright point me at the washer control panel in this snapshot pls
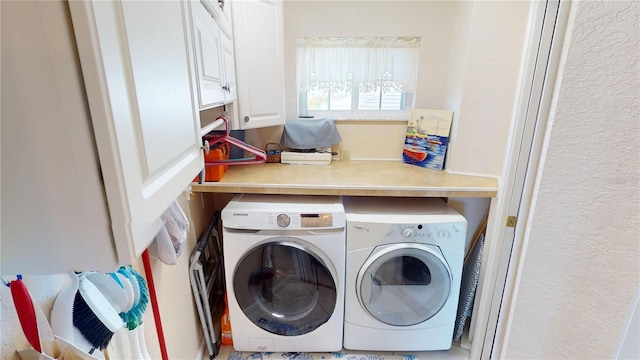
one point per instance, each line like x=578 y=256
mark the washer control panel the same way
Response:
x=283 y=212
x=418 y=232
x=300 y=221
x=366 y=234
x=283 y=220
x=316 y=220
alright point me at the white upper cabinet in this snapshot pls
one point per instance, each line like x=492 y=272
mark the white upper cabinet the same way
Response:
x=221 y=11
x=228 y=63
x=259 y=52
x=208 y=58
x=214 y=59
x=136 y=61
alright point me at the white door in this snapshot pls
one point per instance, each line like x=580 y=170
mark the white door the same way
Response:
x=136 y=62
x=259 y=52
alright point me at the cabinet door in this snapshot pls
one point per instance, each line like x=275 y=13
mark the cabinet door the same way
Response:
x=228 y=63
x=136 y=62
x=209 y=68
x=259 y=53
x=221 y=11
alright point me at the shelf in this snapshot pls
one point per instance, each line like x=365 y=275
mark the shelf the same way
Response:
x=363 y=178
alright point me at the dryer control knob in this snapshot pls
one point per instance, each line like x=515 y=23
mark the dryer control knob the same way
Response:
x=407 y=233
x=283 y=220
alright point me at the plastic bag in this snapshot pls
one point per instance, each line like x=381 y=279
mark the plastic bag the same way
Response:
x=177 y=226
x=168 y=244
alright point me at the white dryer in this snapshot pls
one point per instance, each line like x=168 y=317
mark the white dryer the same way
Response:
x=404 y=265
x=284 y=260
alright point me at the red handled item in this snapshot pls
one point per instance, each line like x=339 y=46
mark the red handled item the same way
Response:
x=26 y=312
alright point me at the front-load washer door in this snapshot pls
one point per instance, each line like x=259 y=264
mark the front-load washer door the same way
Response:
x=285 y=288
x=404 y=284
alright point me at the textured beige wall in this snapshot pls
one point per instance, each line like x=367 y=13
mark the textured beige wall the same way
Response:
x=581 y=263
x=490 y=39
x=44 y=290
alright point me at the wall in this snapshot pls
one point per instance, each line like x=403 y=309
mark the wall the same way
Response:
x=580 y=266
x=489 y=38
x=469 y=62
x=43 y=290
x=180 y=322
x=51 y=19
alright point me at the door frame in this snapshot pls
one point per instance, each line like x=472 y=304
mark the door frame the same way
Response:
x=547 y=25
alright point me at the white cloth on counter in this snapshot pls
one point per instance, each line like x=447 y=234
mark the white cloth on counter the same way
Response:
x=168 y=244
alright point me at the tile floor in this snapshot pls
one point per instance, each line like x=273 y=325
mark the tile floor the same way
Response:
x=227 y=352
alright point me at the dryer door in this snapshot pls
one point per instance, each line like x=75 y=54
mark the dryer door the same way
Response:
x=285 y=288
x=404 y=284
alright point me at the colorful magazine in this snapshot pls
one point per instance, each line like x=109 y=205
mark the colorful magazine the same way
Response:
x=427 y=138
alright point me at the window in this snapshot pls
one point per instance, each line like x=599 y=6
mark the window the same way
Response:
x=357 y=77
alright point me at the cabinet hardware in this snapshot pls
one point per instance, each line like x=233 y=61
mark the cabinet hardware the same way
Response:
x=511 y=221
x=246 y=119
x=206 y=147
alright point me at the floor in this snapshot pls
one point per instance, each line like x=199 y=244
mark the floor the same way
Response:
x=227 y=352
x=459 y=350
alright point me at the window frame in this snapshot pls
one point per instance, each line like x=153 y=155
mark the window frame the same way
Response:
x=355 y=114
x=408 y=96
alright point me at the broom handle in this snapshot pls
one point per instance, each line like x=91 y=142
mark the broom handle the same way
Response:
x=154 y=304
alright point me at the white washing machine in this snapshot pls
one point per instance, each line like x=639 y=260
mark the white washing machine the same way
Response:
x=404 y=264
x=284 y=260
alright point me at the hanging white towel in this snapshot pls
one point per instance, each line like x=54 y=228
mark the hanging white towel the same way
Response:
x=168 y=244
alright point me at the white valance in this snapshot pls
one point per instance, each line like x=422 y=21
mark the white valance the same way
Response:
x=340 y=63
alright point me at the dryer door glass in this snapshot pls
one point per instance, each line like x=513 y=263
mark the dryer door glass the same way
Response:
x=404 y=284
x=285 y=288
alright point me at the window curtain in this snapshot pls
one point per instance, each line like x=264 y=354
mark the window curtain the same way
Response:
x=341 y=63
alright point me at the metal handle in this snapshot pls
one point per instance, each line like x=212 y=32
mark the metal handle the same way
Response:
x=206 y=147
x=246 y=119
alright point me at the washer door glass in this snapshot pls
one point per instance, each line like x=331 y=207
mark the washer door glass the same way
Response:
x=285 y=288
x=404 y=284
